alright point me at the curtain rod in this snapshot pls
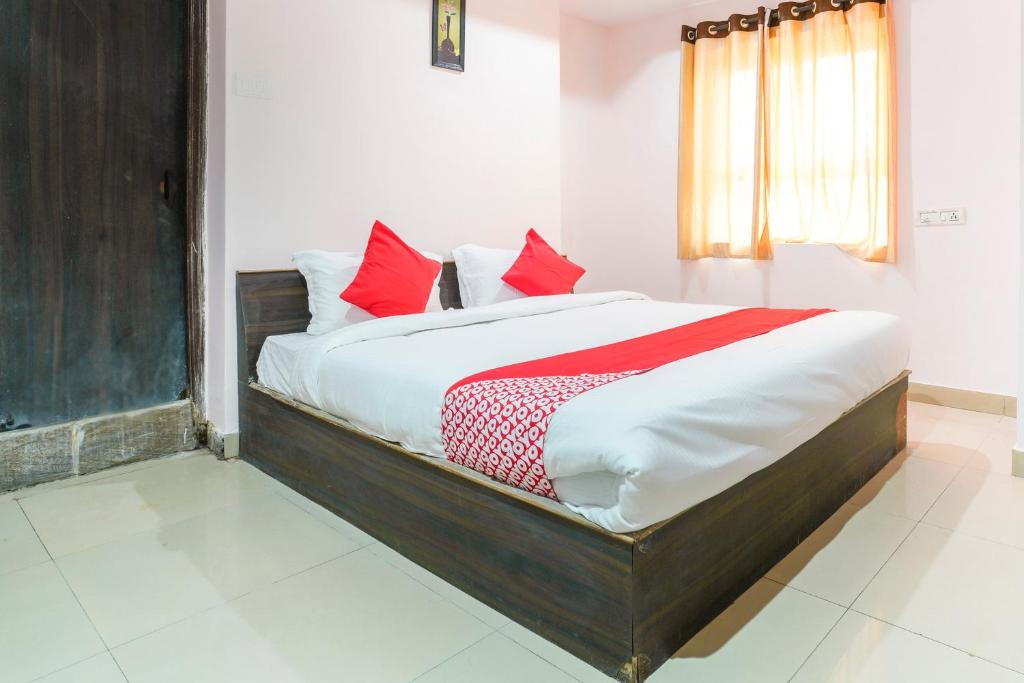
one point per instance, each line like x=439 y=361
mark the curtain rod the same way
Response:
x=774 y=17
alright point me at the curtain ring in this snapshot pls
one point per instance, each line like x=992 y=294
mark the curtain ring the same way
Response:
x=744 y=23
x=796 y=11
x=713 y=30
x=692 y=35
x=838 y=4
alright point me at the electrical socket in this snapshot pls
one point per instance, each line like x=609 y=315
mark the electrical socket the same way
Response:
x=953 y=216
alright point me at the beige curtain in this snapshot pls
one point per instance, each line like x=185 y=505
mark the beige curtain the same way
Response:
x=787 y=131
x=722 y=192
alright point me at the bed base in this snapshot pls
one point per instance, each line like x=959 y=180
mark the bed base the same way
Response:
x=624 y=603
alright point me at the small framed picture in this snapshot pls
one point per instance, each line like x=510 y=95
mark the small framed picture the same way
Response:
x=449 y=34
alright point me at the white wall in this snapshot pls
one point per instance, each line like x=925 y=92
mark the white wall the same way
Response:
x=219 y=383
x=1018 y=454
x=361 y=127
x=584 y=84
x=960 y=126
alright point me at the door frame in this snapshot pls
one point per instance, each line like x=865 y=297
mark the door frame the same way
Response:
x=196 y=46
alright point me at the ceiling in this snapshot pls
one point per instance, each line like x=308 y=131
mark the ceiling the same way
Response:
x=612 y=12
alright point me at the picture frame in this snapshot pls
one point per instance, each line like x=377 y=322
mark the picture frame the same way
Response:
x=448 y=37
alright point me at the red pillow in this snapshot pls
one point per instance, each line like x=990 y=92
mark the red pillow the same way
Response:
x=394 y=278
x=540 y=270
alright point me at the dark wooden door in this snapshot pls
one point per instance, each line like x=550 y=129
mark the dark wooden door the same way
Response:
x=92 y=207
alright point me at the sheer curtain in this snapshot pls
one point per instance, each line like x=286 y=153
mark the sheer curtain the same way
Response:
x=787 y=131
x=722 y=208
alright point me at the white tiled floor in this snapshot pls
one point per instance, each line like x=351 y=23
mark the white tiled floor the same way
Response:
x=190 y=569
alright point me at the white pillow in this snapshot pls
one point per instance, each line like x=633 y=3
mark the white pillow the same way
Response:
x=480 y=270
x=434 y=302
x=327 y=275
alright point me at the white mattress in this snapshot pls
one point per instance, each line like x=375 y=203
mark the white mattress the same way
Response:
x=278 y=358
x=628 y=454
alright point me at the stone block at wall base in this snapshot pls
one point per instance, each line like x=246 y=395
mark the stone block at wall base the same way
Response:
x=106 y=442
x=35 y=456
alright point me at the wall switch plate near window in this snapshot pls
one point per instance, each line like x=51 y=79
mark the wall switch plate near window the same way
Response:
x=252 y=85
x=942 y=217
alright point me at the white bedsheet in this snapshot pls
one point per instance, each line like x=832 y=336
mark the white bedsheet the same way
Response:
x=278 y=358
x=628 y=454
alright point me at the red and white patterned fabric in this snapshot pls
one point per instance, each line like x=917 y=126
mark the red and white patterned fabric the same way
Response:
x=495 y=422
x=498 y=426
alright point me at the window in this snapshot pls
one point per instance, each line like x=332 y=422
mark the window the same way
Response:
x=786 y=134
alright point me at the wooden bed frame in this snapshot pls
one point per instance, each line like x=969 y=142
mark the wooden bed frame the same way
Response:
x=624 y=603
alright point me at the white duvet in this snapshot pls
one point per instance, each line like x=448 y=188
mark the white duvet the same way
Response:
x=631 y=453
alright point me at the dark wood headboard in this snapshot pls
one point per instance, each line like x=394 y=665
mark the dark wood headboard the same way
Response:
x=273 y=302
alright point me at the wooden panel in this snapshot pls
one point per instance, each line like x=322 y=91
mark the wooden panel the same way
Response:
x=567 y=580
x=692 y=567
x=450 y=295
x=93 y=278
x=272 y=302
x=269 y=303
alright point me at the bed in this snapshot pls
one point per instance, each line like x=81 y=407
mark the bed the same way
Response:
x=620 y=582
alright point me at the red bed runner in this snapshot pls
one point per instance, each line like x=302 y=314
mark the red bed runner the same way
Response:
x=495 y=421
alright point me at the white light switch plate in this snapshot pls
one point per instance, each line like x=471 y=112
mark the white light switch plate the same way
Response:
x=252 y=85
x=926 y=217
